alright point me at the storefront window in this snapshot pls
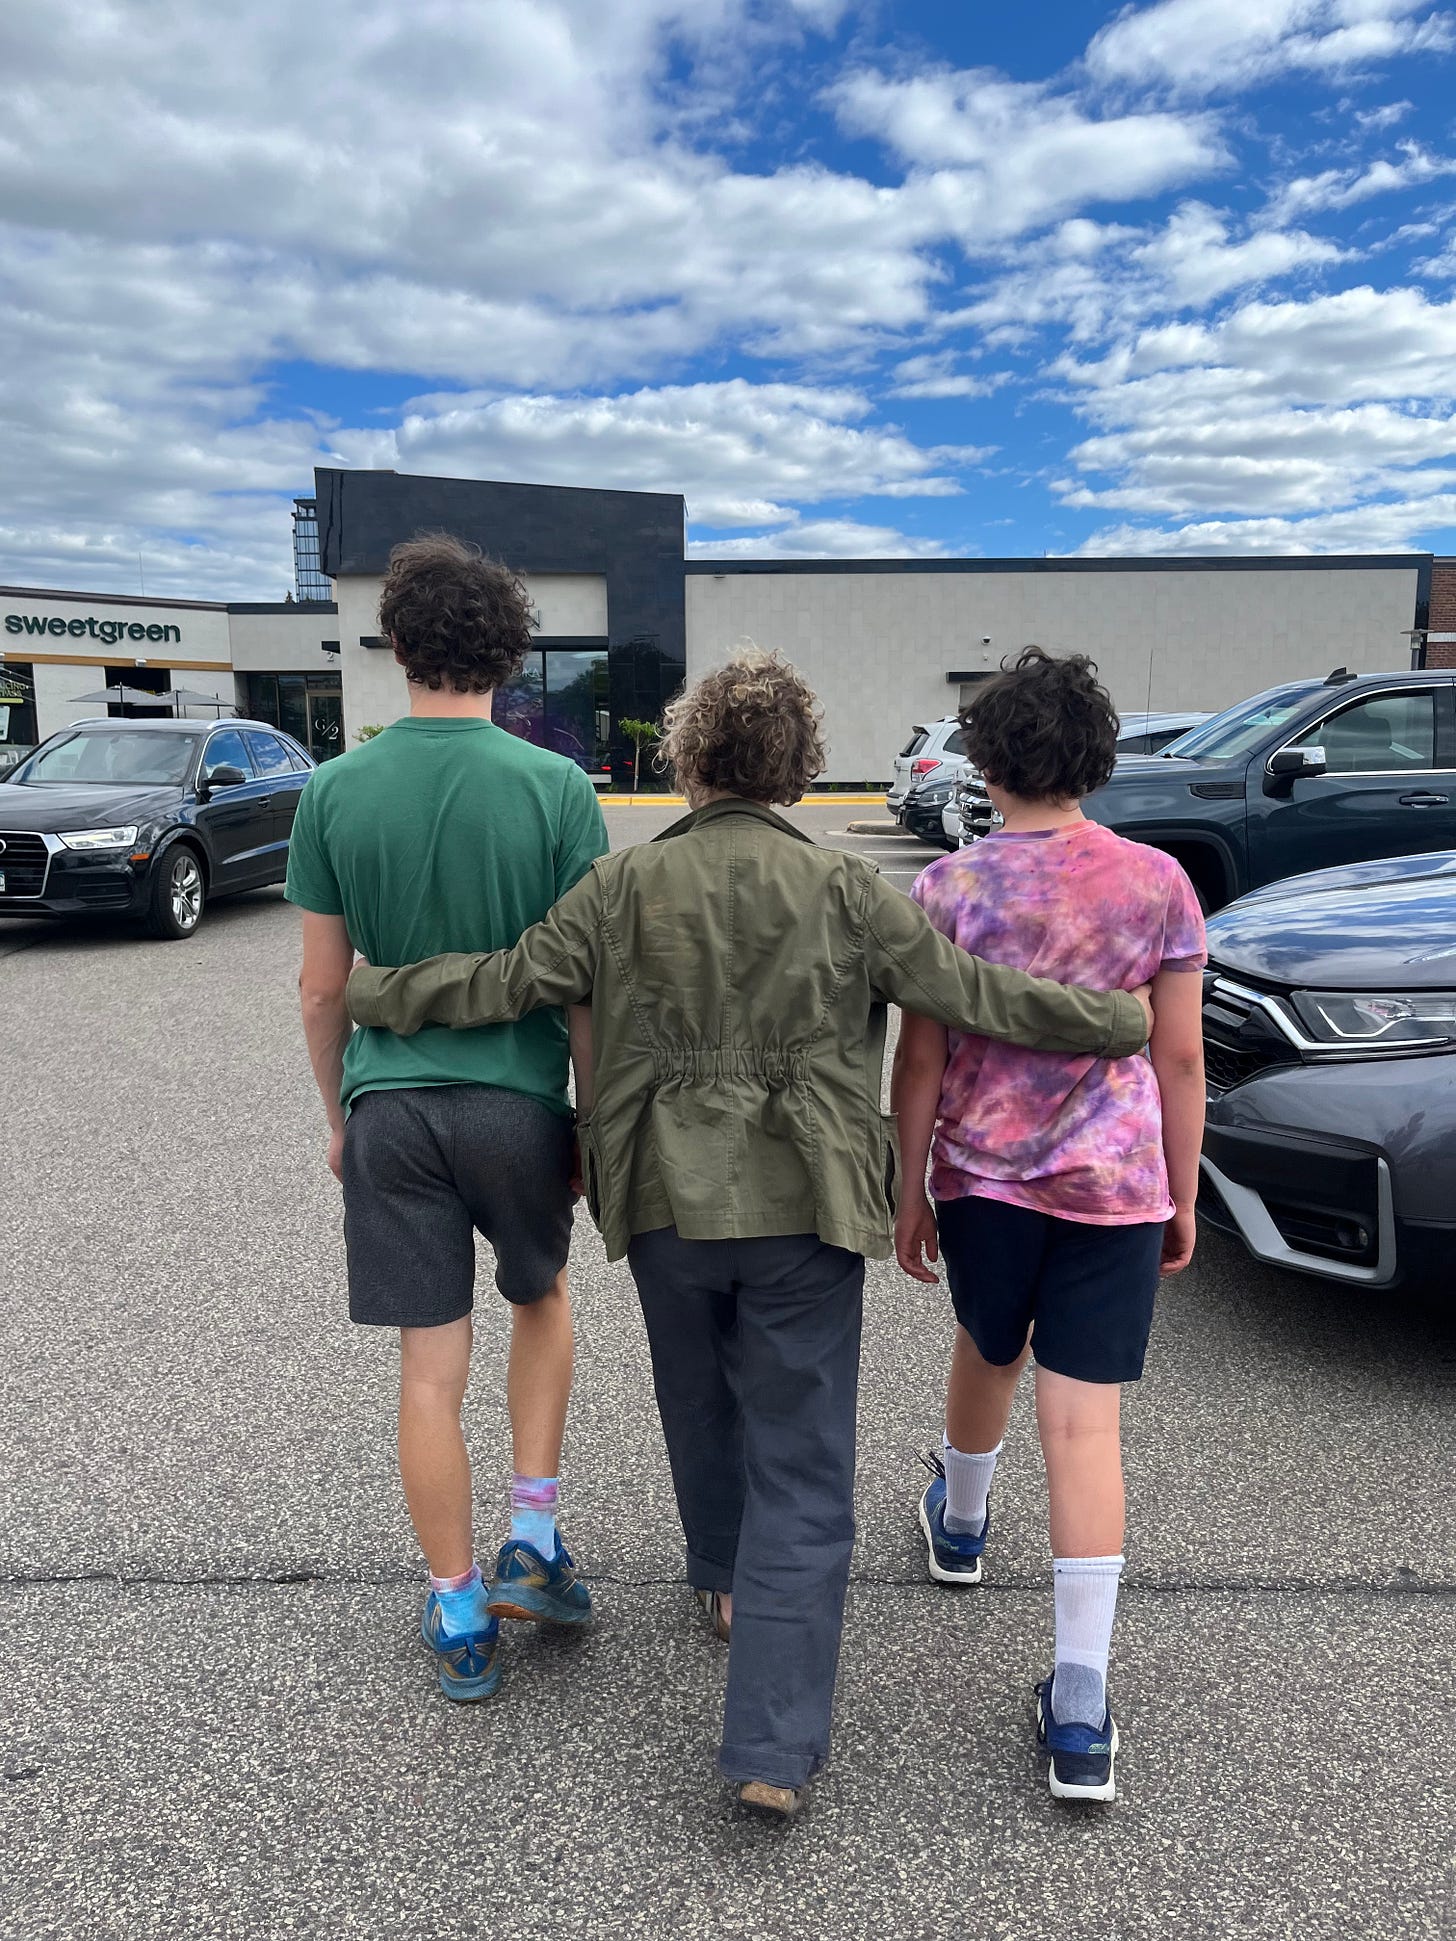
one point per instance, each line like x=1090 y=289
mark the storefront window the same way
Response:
x=310 y=707
x=17 y=712
x=560 y=701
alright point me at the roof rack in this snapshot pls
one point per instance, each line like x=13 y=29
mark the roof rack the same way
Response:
x=1339 y=677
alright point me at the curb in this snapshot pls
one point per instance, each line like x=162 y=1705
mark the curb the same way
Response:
x=680 y=802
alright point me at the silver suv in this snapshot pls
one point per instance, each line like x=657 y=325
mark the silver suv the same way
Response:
x=936 y=753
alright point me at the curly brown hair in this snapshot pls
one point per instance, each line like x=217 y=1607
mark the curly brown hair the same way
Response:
x=752 y=728
x=457 y=619
x=1044 y=728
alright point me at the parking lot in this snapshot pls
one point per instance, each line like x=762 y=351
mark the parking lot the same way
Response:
x=217 y=1720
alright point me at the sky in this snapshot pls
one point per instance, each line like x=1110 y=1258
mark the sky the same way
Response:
x=897 y=278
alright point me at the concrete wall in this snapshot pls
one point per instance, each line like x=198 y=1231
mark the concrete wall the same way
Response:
x=568 y=604
x=282 y=643
x=878 y=646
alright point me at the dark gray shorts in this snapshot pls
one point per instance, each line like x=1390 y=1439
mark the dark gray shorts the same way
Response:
x=427 y=1169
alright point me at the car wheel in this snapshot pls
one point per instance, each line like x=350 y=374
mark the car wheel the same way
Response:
x=179 y=894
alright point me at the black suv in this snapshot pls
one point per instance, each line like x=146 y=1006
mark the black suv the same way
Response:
x=1310 y=775
x=1329 y=1029
x=148 y=819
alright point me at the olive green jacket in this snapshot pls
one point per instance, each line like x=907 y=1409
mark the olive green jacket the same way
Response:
x=738 y=977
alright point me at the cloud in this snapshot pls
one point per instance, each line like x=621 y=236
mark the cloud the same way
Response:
x=1340 y=188
x=820 y=539
x=1095 y=278
x=1204 y=47
x=1196 y=262
x=1279 y=409
x=935 y=375
x=740 y=452
x=1403 y=526
x=999 y=157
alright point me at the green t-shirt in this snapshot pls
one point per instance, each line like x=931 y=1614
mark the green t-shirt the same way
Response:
x=446 y=835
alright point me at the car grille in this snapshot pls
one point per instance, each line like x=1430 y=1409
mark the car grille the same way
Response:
x=1240 y=1040
x=23 y=864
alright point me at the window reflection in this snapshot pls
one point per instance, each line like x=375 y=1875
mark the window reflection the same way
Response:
x=559 y=700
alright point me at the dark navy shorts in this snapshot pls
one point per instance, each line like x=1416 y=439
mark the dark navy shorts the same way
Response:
x=1085 y=1292
x=425 y=1170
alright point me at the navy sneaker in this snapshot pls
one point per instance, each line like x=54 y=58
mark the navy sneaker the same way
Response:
x=469 y=1661
x=526 y=1586
x=1081 y=1755
x=952 y=1559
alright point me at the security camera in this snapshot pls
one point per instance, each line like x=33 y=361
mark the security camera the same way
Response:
x=985 y=640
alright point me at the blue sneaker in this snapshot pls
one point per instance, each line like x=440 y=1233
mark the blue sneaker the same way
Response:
x=1081 y=1755
x=526 y=1586
x=469 y=1661
x=952 y=1559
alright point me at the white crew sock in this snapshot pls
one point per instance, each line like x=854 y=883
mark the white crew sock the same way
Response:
x=1086 y=1594
x=967 y=1485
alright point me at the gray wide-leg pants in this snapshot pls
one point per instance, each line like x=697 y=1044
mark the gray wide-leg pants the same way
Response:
x=755 y=1359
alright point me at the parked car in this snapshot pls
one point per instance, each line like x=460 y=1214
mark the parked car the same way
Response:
x=1150 y=734
x=968 y=812
x=924 y=813
x=1329 y=1021
x=147 y=818
x=927 y=751
x=1308 y=775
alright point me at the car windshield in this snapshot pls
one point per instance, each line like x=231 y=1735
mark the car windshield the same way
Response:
x=1239 y=730
x=117 y=756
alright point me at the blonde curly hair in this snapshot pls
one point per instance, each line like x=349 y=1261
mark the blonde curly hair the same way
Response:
x=753 y=728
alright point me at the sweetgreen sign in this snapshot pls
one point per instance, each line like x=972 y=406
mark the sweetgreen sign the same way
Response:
x=109 y=632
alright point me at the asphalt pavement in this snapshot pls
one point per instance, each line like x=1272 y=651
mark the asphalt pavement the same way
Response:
x=216 y=1719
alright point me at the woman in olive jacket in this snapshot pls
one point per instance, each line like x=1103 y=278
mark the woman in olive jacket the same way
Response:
x=735 y=1152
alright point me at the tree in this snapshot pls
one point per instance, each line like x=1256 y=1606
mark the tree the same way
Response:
x=640 y=733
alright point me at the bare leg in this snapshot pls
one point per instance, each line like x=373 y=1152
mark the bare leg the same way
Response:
x=538 y=1382
x=434 y=1365
x=978 y=1396
x=1080 y=1426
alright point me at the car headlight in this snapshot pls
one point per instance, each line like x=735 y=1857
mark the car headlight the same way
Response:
x=122 y=838
x=933 y=798
x=1375 y=1020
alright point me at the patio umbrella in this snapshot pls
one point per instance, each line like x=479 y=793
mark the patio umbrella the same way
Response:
x=191 y=697
x=136 y=697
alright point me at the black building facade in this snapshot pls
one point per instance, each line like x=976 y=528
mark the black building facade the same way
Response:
x=584 y=685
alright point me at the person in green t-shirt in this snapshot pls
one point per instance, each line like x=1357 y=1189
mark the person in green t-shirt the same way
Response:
x=447 y=833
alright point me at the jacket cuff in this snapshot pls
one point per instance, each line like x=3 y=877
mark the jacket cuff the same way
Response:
x=1129 y=1034
x=364 y=994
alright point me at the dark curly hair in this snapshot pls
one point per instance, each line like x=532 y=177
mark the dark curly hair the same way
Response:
x=752 y=728
x=457 y=619
x=1044 y=728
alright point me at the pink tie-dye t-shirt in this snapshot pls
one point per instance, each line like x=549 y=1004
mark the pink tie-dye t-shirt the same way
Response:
x=1080 y=1138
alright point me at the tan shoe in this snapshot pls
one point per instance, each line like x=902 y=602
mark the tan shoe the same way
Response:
x=785 y=1801
x=712 y=1603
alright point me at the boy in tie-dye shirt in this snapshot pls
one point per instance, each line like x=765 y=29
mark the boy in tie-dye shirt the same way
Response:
x=1063 y=1187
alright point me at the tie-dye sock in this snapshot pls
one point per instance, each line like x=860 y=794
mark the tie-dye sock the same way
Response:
x=462 y=1602
x=533 y=1512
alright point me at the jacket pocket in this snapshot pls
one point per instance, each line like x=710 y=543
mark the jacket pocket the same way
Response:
x=890 y=1158
x=591 y=1168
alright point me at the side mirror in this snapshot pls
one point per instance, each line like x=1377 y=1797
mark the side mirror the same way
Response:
x=1288 y=765
x=224 y=776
